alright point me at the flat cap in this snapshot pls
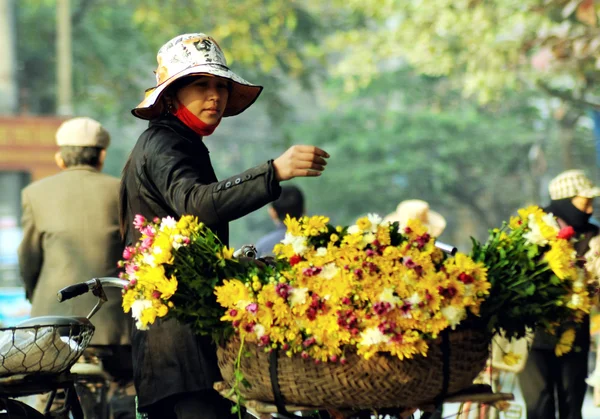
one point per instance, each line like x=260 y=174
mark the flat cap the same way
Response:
x=82 y=132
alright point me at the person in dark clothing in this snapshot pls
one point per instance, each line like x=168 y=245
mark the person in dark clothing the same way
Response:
x=549 y=380
x=290 y=202
x=169 y=173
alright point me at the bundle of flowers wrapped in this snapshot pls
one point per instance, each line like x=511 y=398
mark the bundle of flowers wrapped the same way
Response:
x=370 y=287
x=173 y=270
x=536 y=278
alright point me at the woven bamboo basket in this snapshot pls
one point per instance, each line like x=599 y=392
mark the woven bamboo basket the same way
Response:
x=382 y=381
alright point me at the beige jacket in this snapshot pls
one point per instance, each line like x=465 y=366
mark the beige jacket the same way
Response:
x=71 y=234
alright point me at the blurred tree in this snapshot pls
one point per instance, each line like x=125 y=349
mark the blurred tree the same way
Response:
x=490 y=46
x=406 y=136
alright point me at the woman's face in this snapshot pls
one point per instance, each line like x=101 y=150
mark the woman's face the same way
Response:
x=583 y=204
x=206 y=97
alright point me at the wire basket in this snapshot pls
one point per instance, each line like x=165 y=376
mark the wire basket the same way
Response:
x=42 y=348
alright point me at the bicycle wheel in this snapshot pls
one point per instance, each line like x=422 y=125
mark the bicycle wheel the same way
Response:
x=14 y=409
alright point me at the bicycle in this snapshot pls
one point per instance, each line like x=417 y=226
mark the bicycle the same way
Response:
x=37 y=355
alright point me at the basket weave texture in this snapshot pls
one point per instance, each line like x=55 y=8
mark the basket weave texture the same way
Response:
x=382 y=381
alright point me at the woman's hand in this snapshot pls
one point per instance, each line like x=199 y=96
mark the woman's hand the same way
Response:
x=300 y=161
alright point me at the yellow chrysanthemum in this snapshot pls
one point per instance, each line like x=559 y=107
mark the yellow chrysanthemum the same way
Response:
x=511 y=358
x=293 y=226
x=560 y=258
x=226 y=253
x=565 y=343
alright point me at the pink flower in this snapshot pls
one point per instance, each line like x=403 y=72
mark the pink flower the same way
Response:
x=147 y=243
x=127 y=253
x=566 y=233
x=252 y=308
x=148 y=230
x=139 y=221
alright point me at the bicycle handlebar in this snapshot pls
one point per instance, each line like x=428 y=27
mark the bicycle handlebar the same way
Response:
x=81 y=288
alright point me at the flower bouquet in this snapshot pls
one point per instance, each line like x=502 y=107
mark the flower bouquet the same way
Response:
x=537 y=280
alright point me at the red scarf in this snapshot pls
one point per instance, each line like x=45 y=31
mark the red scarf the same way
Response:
x=193 y=122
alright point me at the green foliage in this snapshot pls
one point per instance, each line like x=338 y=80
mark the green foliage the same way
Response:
x=406 y=136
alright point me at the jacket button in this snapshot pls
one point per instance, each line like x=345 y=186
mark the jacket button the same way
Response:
x=238 y=181
x=219 y=187
x=248 y=176
x=228 y=184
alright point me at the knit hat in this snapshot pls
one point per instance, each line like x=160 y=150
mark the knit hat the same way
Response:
x=570 y=184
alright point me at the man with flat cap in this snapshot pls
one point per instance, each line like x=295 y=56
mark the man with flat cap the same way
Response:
x=71 y=234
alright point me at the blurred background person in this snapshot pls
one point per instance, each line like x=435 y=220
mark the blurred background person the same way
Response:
x=418 y=210
x=549 y=380
x=71 y=234
x=290 y=202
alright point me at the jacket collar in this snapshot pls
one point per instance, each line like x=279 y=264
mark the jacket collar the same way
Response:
x=81 y=167
x=173 y=123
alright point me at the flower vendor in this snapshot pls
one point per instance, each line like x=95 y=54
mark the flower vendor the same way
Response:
x=169 y=173
x=546 y=371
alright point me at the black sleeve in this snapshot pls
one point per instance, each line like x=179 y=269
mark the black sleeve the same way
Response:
x=178 y=179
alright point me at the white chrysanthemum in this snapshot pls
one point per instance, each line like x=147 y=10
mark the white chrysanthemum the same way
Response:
x=551 y=221
x=259 y=329
x=329 y=271
x=414 y=299
x=321 y=251
x=534 y=236
x=354 y=229
x=168 y=222
x=148 y=259
x=298 y=296
x=368 y=238
x=387 y=296
x=594 y=379
x=298 y=243
x=373 y=336
x=575 y=301
x=375 y=220
x=454 y=315
x=136 y=311
x=177 y=241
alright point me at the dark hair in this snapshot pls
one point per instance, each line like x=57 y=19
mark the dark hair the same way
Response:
x=80 y=156
x=291 y=201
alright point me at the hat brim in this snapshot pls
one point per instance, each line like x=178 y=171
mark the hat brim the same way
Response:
x=243 y=94
x=590 y=193
x=436 y=224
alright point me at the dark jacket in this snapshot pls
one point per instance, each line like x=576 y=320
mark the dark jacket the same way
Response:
x=542 y=339
x=170 y=174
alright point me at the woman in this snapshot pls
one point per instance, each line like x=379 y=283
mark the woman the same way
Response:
x=169 y=173
x=548 y=379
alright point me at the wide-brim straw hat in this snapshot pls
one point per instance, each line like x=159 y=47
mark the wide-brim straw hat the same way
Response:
x=419 y=210
x=195 y=54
